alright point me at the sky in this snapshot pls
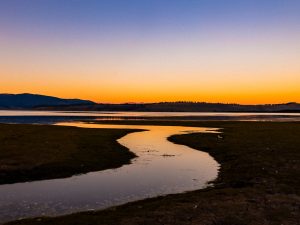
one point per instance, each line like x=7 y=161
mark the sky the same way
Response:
x=115 y=51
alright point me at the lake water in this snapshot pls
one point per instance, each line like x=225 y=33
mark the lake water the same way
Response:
x=161 y=168
x=21 y=116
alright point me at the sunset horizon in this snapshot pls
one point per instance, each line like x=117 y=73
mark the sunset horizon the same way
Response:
x=244 y=52
x=150 y=102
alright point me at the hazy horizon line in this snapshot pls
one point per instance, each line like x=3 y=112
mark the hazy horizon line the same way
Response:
x=158 y=102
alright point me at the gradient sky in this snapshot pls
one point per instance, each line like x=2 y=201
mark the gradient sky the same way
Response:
x=241 y=51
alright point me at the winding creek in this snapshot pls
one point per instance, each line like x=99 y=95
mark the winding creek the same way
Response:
x=160 y=168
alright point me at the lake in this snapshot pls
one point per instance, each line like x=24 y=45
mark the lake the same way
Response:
x=161 y=167
x=22 y=116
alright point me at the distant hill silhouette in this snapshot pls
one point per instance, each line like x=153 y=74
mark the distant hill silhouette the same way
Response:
x=30 y=101
x=41 y=102
x=183 y=107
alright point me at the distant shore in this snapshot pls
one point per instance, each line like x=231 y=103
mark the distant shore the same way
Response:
x=28 y=101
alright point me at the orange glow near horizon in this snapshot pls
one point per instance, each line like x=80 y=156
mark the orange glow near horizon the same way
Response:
x=122 y=94
x=245 y=83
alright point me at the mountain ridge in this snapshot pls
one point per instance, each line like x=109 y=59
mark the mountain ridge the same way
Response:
x=29 y=101
x=44 y=102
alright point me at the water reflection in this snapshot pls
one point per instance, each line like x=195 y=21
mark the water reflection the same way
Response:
x=18 y=116
x=160 y=168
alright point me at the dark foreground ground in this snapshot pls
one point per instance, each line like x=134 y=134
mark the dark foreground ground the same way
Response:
x=31 y=152
x=259 y=182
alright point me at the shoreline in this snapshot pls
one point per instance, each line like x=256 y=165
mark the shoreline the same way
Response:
x=253 y=186
x=58 y=151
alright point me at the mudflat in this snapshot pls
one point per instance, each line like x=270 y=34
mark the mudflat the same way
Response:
x=258 y=182
x=35 y=152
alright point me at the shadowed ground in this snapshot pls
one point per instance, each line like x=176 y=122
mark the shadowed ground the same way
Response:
x=33 y=152
x=258 y=182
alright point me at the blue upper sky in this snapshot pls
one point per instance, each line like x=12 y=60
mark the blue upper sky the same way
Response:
x=150 y=16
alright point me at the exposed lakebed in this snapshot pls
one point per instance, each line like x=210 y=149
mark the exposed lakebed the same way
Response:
x=160 y=168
